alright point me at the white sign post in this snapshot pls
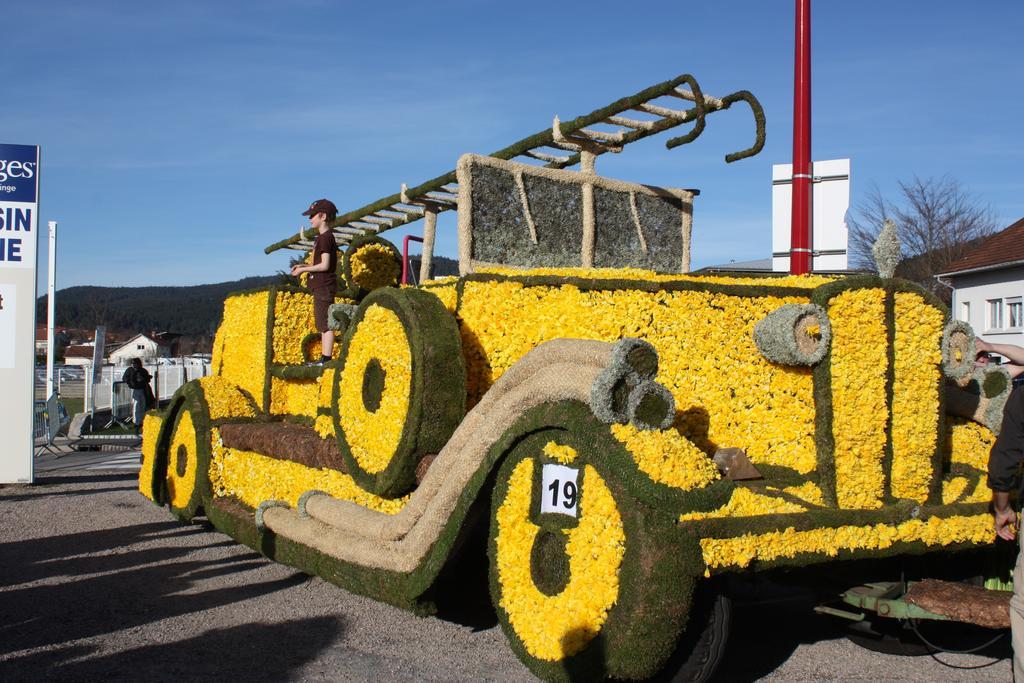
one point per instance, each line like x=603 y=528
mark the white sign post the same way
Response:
x=830 y=199
x=51 y=307
x=19 y=220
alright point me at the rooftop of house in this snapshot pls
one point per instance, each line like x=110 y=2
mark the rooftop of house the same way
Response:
x=1001 y=249
x=78 y=351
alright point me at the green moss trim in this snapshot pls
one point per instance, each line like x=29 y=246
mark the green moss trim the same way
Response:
x=237 y=520
x=304 y=420
x=824 y=439
x=994 y=384
x=373 y=385
x=304 y=346
x=437 y=392
x=759 y=124
x=271 y=313
x=549 y=562
x=890 y=382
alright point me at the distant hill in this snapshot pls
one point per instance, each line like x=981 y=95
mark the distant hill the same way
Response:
x=193 y=311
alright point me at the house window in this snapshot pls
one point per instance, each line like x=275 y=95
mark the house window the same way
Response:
x=140 y=347
x=965 y=311
x=1014 y=309
x=995 y=314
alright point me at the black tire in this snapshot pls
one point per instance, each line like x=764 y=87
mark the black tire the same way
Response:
x=703 y=643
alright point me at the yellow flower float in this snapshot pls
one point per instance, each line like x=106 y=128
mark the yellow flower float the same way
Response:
x=619 y=435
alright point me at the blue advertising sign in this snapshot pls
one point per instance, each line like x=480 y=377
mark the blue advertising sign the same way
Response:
x=19 y=173
x=19 y=218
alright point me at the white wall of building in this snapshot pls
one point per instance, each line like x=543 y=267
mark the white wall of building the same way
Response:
x=140 y=346
x=991 y=302
x=830 y=199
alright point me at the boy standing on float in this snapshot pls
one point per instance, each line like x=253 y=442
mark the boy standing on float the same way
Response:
x=323 y=279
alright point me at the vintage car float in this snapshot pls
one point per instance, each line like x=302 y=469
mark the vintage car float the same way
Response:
x=621 y=432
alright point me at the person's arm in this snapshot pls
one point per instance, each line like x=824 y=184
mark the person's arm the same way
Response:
x=1011 y=352
x=1004 y=515
x=324 y=265
x=1004 y=462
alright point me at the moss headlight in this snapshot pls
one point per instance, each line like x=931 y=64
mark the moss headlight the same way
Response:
x=958 y=351
x=794 y=334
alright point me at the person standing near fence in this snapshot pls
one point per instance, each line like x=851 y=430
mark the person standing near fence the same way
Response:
x=137 y=378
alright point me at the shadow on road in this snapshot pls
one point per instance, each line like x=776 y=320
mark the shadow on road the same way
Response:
x=41 y=487
x=62 y=588
x=253 y=652
x=763 y=637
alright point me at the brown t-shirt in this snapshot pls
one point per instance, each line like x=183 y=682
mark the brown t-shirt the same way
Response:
x=326 y=281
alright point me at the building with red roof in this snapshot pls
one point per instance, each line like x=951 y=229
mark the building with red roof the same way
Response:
x=988 y=286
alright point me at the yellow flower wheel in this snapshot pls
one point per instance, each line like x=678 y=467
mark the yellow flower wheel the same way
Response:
x=182 y=463
x=179 y=471
x=558 y=584
x=370 y=262
x=588 y=582
x=401 y=390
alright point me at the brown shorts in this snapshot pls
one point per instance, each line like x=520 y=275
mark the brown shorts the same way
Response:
x=321 y=302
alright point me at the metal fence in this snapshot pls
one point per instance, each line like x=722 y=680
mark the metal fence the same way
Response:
x=48 y=417
x=110 y=393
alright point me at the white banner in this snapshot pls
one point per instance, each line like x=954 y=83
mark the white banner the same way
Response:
x=19 y=220
x=8 y=324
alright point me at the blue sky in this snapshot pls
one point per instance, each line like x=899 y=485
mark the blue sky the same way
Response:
x=179 y=139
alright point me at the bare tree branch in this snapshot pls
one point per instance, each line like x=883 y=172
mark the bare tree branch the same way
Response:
x=938 y=222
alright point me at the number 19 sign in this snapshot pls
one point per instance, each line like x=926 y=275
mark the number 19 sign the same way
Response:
x=19 y=218
x=561 y=490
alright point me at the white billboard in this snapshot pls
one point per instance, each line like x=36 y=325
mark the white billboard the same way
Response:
x=19 y=222
x=830 y=199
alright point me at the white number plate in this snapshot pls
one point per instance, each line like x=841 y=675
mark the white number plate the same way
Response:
x=560 y=490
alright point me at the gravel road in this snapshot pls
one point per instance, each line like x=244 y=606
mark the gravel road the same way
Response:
x=97 y=583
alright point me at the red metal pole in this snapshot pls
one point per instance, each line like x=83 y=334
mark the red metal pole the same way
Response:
x=800 y=240
x=405 y=256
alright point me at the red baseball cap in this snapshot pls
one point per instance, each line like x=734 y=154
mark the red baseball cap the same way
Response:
x=321 y=206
